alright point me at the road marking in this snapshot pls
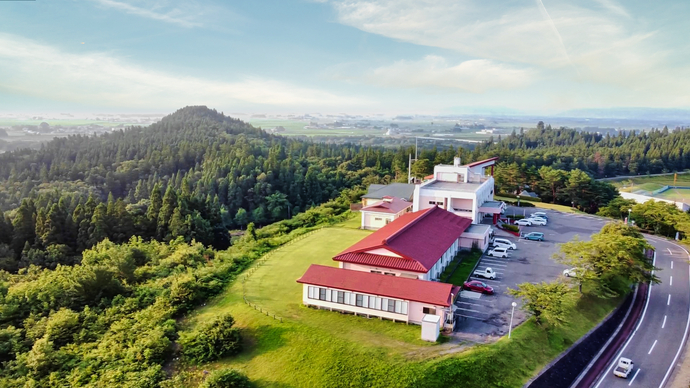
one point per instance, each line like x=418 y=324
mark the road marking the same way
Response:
x=473 y=311
x=470 y=294
x=671 y=264
x=668 y=303
x=669 y=251
x=473 y=304
x=652 y=348
x=635 y=375
x=670 y=282
x=639 y=323
x=663 y=324
x=685 y=335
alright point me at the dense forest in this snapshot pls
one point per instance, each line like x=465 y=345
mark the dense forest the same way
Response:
x=628 y=153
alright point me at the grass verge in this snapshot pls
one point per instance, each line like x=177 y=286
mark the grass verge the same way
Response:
x=469 y=260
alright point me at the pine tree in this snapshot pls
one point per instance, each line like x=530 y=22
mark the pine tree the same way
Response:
x=241 y=218
x=98 y=230
x=156 y=202
x=6 y=229
x=167 y=208
x=179 y=227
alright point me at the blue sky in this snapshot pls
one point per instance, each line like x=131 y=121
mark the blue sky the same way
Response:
x=335 y=56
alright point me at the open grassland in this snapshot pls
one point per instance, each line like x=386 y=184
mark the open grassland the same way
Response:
x=64 y=123
x=678 y=195
x=651 y=183
x=541 y=205
x=313 y=348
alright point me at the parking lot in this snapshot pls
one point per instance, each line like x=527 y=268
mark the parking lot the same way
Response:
x=480 y=316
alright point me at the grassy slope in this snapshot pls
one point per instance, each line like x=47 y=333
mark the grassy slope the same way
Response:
x=314 y=348
x=542 y=205
x=466 y=266
x=651 y=183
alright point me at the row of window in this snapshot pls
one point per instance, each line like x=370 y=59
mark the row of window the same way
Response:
x=359 y=300
x=439 y=203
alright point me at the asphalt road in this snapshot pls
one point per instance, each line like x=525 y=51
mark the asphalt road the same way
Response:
x=657 y=341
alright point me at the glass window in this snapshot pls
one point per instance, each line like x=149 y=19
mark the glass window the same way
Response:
x=429 y=310
x=322 y=294
x=389 y=273
x=341 y=297
x=359 y=300
x=391 y=305
x=372 y=302
x=311 y=292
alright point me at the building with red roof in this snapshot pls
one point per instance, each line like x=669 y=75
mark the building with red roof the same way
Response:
x=371 y=294
x=416 y=245
x=464 y=190
x=380 y=213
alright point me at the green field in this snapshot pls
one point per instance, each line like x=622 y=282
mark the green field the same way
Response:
x=64 y=123
x=313 y=348
x=651 y=183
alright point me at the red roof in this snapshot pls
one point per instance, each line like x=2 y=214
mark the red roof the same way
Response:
x=435 y=293
x=477 y=163
x=395 y=206
x=420 y=238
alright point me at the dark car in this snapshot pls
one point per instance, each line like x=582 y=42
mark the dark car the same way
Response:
x=476 y=285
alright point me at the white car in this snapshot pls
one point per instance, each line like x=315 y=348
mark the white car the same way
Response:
x=540 y=214
x=504 y=242
x=498 y=252
x=570 y=273
x=537 y=221
x=523 y=222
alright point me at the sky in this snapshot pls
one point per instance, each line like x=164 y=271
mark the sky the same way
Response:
x=343 y=56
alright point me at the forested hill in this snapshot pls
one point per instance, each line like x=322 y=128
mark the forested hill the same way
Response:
x=193 y=175
x=629 y=153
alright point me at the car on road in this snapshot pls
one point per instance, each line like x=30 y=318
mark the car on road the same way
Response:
x=534 y=236
x=478 y=286
x=624 y=367
x=570 y=272
x=537 y=221
x=523 y=222
x=503 y=242
x=485 y=273
x=500 y=251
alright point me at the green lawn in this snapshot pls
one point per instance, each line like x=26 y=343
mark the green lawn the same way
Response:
x=542 y=205
x=313 y=348
x=651 y=183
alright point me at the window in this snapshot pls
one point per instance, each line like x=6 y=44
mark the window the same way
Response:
x=432 y=202
x=391 y=305
x=378 y=219
x=372 y=302
x=322 y=294
x=372 y=271
x=341 y=297
x=429 y=310
x=389 y=273
x=359 y=300
x=311 y=292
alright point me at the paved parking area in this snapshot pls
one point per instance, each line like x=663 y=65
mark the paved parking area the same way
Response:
x=481 y=316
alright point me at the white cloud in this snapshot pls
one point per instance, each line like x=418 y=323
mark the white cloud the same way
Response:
x=434 y=72
x=31 y=68
x=174 y=16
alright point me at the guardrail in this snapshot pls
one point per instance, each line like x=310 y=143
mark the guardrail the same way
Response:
x=258 y=264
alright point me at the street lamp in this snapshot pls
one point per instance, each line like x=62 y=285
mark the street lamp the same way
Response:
x=518 y=198
x=510 y=328
x=629 y=211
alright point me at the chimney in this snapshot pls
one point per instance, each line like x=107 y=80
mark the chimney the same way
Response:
x=456 y=161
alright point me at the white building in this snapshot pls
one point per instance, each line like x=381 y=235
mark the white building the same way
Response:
x=464 y=190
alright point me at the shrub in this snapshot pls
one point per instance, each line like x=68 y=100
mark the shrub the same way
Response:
x=515 y=217
x=507 y=195
x=512 y=228
x=226 y=378
x=212 y=340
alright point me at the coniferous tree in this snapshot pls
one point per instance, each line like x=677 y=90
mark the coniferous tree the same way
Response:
x=98 y=229
x=167 y=208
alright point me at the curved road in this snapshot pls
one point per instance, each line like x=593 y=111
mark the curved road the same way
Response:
x=656 y=343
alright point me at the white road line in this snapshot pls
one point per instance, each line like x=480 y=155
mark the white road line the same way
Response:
x=664 y=324
x=685 y=335
x=639 y=323
x=668 y=302
x=473 y=304
x=473 y=311
x=669 y=251
x=652 y=348
x=671 y=264
x=670 y=282
x=635 y=375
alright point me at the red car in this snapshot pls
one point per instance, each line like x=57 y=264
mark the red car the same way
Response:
x=476 y=285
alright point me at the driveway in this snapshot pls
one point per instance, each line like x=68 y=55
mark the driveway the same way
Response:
x=480 y=317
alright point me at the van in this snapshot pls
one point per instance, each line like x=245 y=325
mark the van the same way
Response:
x=504 y=242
